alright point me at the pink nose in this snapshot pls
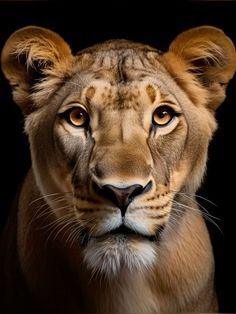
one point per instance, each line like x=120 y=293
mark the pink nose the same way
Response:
x=121 y=197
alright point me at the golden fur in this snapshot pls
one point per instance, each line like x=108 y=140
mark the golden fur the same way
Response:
x=106 y=220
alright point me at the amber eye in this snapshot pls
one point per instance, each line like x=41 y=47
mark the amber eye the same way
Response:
x=163 y=115
x=76 y=116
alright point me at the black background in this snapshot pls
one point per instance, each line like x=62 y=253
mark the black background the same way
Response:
x=155 y=23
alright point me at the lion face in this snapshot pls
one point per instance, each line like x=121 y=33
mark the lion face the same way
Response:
x=123 y=150
x=118 y=139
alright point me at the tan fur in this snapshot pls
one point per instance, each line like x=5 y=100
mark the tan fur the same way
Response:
x=58 y=252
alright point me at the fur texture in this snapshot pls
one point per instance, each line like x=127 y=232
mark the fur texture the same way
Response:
x=106 y=219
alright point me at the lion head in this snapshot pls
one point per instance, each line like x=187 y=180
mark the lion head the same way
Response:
x=117 y=132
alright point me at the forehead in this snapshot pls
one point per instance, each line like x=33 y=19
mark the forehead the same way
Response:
x=134 y=94
x=121 y=76
x=120 y=64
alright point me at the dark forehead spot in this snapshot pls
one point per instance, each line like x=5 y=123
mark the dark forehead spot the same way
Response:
x=90 y=93
x=142 y=76
x=151 y=93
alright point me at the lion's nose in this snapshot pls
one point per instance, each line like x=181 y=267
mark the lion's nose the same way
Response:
x=121 y=197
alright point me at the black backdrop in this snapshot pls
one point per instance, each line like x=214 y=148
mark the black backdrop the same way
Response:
x=155 y=23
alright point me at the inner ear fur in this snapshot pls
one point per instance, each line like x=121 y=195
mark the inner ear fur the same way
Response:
x=208 y=58
x=31 y=55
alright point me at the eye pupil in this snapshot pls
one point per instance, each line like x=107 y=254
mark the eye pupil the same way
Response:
x=162 y=114
x=78 y=115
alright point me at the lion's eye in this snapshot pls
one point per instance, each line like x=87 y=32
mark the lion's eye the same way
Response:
x=76 y=116
x=163 y=115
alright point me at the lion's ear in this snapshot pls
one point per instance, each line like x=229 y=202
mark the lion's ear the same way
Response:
x=210 y=56
x=32 y=55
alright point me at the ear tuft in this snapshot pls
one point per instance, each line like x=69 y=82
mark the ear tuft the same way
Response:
x=210 y=56
x=30 y=55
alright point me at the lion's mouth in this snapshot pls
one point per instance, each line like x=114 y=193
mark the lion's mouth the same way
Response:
x=125 y=232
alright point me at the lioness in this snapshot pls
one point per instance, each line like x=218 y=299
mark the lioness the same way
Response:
x=106 y=220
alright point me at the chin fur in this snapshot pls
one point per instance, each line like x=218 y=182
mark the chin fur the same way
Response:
x=109 y=256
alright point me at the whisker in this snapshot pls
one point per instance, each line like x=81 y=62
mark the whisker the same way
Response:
x=48 y=195
x=56 y=221
x=205 y=215
x=47 y=212
x=45 y=207
x=64 y=226
x=187 y=195
x=60 y=223
x=200 y=205
x=204 y=211
x=74 y=234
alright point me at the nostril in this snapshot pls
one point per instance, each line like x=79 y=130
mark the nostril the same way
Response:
x=135 y=191
x=98 y=172
x=121 y=197
x=147 y=187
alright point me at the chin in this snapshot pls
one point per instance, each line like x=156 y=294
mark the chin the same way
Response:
x=112 y=254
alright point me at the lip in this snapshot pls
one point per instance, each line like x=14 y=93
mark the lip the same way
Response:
x=126 y=232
